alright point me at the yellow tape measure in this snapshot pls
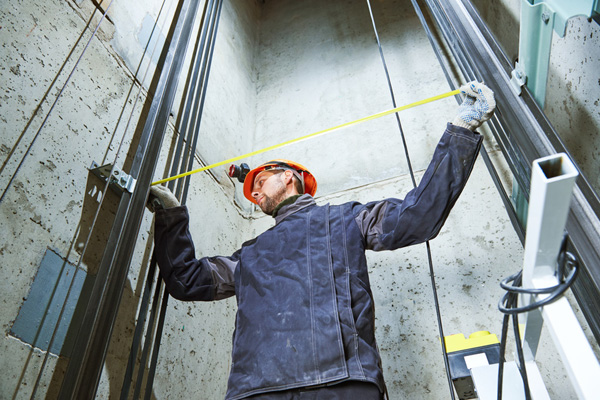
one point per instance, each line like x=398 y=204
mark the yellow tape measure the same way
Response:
x=311 y=135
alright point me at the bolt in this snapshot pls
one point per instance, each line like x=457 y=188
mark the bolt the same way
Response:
x=116 y=173
x=545 y=17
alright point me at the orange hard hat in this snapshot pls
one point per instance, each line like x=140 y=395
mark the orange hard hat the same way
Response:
x=308 y=180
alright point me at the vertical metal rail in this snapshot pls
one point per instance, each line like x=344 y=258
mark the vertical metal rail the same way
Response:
x=150 y=278
x=185 y=184
x=551 y=187
x=530 y=135
x=512 y=214
x=189 y=129
x=203 y=87
x=89 y=352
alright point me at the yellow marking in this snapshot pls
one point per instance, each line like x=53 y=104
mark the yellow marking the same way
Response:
x=477 y=339
x=311 y=135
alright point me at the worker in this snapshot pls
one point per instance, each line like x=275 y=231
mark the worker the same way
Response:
x=305 y=320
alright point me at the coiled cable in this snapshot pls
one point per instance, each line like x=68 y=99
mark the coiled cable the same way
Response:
x=567 y=270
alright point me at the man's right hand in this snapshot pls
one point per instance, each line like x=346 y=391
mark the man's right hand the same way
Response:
x=161 y=197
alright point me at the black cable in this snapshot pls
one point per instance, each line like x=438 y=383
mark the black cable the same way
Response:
x=521 y=357
x=54 y=104
x=389 y=81
x=147 y=341
x=412 y=176
x=554 y=291
x=154 y=360
x=567 y=270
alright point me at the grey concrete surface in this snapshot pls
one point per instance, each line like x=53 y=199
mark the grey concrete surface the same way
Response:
x=281 y=69
x=50 y=203
x=573 y=90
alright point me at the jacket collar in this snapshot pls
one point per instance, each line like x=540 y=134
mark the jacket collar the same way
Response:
x=301 y=202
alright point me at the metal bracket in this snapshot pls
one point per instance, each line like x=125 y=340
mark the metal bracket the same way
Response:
x=119 y=180
x=518 y=78
x=538 y=20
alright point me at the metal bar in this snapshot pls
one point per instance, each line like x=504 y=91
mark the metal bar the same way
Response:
x=552 y=181
x=187 y=158
x=139 y=330
x=486 y=158
x=204 y=80
x=192 y=99
x=154 y=361
x=148 y=340
x=206 y=48
x=515 y=159
x=184 y=135
x=534 y=137
x=535 y=43
x=85 y=367
x=572 y=345
x=549 y=199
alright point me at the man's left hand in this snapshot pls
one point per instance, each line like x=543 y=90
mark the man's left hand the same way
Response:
x=477 y=107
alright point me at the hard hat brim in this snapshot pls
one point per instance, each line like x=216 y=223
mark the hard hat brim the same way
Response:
x=310 y=183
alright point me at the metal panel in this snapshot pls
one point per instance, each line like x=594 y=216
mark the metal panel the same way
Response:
x=42 y=311
x=485 y=379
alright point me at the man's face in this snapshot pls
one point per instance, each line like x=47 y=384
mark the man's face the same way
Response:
x=268 y=190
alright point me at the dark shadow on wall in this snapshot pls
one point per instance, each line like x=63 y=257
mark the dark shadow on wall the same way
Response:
x=503 y=24
x=122 y=334
x=139 y=130
x=121 y=339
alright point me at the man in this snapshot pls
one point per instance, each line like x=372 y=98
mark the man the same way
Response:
x=305 y=321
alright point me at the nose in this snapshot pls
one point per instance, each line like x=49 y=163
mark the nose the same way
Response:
x=255 y=194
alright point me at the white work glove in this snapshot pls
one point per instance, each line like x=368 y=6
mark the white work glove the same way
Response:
x=161 y=197
x=477 y=107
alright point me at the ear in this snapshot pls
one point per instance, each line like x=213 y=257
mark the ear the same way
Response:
x=288 y=177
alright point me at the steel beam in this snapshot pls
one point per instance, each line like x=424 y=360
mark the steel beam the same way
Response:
x=538 y=20
x=528 y=130
x=552 y=180
x=85 y=366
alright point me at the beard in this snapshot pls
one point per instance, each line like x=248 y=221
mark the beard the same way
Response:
x=269 y=203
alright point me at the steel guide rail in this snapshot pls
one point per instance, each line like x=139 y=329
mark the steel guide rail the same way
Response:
x=89 y=352
x=512 y=214
x=189 y=127
x=525 y=128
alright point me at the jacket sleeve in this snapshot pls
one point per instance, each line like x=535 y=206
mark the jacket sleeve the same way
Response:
x=188 y=278
x=395 y=223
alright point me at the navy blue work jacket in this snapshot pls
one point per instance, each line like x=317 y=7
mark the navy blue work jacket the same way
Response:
x=305 y=308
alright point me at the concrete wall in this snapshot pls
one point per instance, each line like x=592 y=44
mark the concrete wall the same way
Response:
x=281 y=69
x=573 y=91
x=52 y=199
x=320 y=66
